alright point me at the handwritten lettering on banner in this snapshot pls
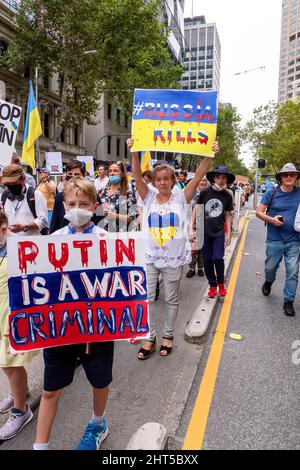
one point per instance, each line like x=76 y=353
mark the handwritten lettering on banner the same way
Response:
x=9 y=123
x=76 y=289
x=174 y=121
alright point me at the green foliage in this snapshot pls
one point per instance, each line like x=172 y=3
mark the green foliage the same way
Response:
x=130 y=43
x=229 y=137
x=274 y=133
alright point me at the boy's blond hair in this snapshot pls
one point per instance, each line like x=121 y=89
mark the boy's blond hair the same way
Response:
x=80 y=185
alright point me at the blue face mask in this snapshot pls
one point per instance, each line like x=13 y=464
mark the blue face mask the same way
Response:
x=114 y=179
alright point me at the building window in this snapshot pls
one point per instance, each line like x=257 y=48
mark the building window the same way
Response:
x=62 y=135
x=126 y=120
x=3 y=47
x=46 y=124
x=109 y=144
x=109 y=109
x=76 y=135
x=118 y=116
x=125 y=150
x=118 y=147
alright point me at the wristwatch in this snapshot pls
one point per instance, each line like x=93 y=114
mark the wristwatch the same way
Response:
x=26 y=228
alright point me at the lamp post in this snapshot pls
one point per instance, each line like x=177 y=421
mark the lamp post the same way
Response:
x=107 y=135
x=36 y=79
x=256 y=183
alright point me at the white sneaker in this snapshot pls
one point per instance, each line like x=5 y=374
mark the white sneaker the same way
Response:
x=6 y=404
x=15 y=424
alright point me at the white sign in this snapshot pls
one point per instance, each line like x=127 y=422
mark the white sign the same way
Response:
x=89 y=163
x=54 y=163
x=9 y=123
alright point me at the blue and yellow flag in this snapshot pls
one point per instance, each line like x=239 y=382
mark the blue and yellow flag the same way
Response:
x=33 y=129
x=145 y=161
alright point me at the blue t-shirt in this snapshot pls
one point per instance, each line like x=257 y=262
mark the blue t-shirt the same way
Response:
x=285 y=204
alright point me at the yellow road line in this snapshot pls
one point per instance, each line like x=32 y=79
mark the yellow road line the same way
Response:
x=195 y=433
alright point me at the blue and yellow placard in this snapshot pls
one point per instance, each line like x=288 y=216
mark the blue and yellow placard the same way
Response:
x=180 y=121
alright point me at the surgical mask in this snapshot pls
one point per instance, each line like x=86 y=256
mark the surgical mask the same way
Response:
x=115 y=179
x=15 y=189
x=78 y=217
x=219 y=188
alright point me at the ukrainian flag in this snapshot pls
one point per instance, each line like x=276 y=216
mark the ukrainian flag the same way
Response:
x=145 y=161
x=33 y=129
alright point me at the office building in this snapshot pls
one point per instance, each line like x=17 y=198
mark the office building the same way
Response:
x=289 y=68
x=202 y=55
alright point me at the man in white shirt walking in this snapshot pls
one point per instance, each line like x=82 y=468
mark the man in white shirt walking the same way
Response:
x=25 y=209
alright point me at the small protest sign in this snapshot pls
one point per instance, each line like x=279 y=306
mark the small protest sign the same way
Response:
x=54 y=163
x=9 y=124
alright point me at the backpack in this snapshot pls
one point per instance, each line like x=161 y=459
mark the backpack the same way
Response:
x=269 y=205
x=30 y=201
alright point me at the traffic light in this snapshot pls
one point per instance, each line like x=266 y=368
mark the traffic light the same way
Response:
x=261 y=163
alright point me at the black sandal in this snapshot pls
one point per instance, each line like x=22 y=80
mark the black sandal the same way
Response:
x=147 y=352
x=168 y=349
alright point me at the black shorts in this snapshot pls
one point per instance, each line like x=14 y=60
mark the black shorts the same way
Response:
x=60 y=364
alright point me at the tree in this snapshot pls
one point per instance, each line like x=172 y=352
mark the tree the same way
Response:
x=130 y=43
x=274 y=133
x=229 y=137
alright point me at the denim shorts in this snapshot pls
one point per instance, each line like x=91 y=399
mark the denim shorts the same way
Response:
x=60 y=364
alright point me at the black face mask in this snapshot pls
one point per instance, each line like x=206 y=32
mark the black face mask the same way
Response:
x=15 y=189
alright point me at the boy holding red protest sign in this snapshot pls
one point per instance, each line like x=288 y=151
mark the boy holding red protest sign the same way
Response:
x=80 y=200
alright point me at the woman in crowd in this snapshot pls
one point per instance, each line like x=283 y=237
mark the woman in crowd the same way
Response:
x=119 y=203
x=167 y=247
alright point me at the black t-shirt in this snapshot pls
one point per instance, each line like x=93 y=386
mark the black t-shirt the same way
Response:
x=216 y=203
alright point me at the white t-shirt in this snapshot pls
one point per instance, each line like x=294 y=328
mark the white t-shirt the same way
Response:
x=67 y=230
x=18 y=212
x=165 y=228
x=100 y=184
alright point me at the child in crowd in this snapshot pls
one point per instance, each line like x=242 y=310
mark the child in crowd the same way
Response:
x=218 y=205
x=12 y=365
x=80 y=201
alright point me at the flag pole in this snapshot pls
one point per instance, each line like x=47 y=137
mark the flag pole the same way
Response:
x=38 y=159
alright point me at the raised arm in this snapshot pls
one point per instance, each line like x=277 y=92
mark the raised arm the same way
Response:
x=137 y=172
x=191 y=188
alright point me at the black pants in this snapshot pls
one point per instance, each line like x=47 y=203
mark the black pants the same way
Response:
x=213 y=254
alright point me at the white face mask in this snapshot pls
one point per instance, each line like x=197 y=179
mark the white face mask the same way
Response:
x=78 y=217
x=219 y=188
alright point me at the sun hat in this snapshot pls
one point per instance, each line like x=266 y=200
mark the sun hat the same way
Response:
x=220 y=170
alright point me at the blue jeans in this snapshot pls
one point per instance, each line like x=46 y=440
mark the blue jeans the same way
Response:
x=290 y=251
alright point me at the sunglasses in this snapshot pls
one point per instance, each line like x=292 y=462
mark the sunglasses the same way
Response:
x=286 y=175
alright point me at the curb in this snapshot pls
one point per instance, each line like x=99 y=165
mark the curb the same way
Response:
x=150 y=436
x=199 y=323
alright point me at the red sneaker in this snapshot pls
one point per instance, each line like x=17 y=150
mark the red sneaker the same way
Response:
x=212 y=292
x=222 y=290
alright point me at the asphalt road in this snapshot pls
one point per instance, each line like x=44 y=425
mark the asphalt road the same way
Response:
x=256 y=397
